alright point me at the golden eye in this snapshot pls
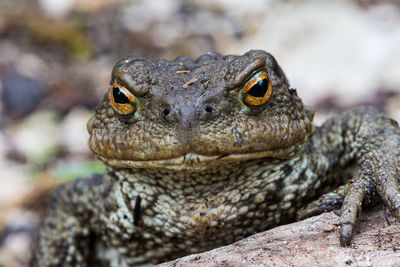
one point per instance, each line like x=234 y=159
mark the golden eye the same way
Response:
x=122 y=101
x=257 y=90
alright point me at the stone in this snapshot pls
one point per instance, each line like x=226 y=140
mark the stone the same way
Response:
x=311 y=242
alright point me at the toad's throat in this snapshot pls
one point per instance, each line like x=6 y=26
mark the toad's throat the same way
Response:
x=195 y=162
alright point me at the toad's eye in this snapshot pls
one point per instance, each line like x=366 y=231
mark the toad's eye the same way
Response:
x=257 y=89
x=122 y=101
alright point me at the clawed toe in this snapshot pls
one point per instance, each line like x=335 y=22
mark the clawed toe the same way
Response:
x=351 y=208
x=345 y=234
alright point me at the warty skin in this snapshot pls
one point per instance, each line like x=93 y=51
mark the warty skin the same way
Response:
x=193 y=166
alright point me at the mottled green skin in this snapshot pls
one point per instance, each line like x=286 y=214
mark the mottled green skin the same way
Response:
x=196 y=178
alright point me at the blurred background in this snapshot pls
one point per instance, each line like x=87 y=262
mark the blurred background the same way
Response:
x=56 y=58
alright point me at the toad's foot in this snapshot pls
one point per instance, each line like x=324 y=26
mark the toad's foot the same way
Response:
x=371 y=141
x=378 y=172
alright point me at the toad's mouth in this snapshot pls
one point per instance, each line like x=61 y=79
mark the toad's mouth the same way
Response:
x=193 y=162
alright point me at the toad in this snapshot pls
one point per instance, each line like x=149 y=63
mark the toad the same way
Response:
x=203 y=152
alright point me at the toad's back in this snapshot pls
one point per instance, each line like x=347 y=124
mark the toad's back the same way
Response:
x=205 y=152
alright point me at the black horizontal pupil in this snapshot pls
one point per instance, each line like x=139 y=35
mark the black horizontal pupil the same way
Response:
x=260 y=88
x=120 y=97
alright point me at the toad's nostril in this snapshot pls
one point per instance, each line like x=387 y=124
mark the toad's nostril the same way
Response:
x=170 y=114
x=166 y=112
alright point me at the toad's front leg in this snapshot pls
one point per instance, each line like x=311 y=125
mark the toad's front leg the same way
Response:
x=371 y=140
x=377 y=149
x=65 y=236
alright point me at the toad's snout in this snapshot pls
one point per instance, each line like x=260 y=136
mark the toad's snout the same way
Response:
x=190 y=114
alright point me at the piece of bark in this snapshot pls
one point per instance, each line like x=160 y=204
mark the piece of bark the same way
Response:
x=312 y=242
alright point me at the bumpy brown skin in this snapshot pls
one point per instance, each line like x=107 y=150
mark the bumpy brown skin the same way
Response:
x=195 y=168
